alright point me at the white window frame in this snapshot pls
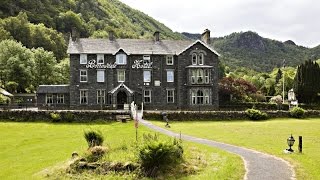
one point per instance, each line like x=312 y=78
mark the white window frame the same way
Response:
x=101 y=95
x=100 y=57
x=200 y=59
x=49 y=98
x=122 y=57
x=147 y=96
x=100 y=75
x=194 y=59
x=146 y=59
x=83 y=58
x=60 y=98
x=84 y=95
x=169 y=60
x=206 y=96
x=206 y=76
x=170 y=95
x=121 y=75
x=85 y=76
x=146 y=73
x=170 y=74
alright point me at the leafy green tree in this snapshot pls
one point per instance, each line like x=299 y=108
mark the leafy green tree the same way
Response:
x=62 y=71
x=307 y=81
x=16 y=65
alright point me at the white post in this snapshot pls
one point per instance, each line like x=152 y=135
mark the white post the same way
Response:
x=142 y=110
x=283 y=73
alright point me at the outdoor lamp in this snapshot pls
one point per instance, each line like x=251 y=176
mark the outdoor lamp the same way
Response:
x=290 y=142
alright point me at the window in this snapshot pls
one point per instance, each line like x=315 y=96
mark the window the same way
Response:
x=100 y=59
x=200 y=97
x=83 y=76
x=200 y=76
x=121 y=59
x=60 y=98
x=200 y=59
x=194 y=59
x=83 y=58
x=100 y=75
x=169 y=60
x=121 y=75
x=206 y=76
x=170 y=96
x=83 y=96
x=146 y=76
x=101 y=96
x=49 y=98
x=170 y=75
x=146 y=59
x=147 y=96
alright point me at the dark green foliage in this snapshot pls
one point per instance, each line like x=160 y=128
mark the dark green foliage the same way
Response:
x=93 y=138
x=255 y=114
x=156 y=155
x=96 y=153
x=307 y=82
x=69 y=117
x=297 y=112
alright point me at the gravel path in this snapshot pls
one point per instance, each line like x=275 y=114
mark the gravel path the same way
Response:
x=259 y=166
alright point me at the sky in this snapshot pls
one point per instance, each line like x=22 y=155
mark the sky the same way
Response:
x=296 y=20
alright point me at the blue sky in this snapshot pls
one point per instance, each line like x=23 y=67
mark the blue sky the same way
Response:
x=297 y=20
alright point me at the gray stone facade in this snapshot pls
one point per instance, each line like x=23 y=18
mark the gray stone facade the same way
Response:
x=195 y=80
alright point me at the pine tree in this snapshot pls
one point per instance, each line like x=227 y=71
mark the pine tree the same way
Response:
x=307 y=82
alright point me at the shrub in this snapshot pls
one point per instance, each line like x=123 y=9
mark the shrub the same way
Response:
x=55 y=117
x=156 y=155
x=96 y=153
x=297 y=112
x=255 y=114
x=69 y=117
x=93 y=138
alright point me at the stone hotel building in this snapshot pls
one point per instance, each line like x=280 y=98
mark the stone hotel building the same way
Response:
x=164 y=74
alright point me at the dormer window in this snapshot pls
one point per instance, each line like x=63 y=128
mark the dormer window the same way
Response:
x=100 y=59
x=146 y=59
x=194 y=59
x=121 y=59
x=83 y=58
x=169 y=60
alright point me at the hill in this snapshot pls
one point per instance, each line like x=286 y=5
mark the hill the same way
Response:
x=248 y=49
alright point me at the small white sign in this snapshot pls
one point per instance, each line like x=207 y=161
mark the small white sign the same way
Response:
x=157 y=83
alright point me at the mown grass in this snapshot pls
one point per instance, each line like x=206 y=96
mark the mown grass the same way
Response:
x=28 y=148
x=266 y=136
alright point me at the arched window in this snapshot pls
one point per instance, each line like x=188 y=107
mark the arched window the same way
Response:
x=200 y=59
x=194 y=59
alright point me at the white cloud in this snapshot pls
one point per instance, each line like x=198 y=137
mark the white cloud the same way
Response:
x=281 y=20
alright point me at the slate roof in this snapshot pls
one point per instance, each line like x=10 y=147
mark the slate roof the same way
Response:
x=53 y=89
x=130 y=46
x=121 y=85
x=5 y=93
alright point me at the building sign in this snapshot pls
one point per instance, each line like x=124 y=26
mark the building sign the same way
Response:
x=139 y=64
x=93 y=65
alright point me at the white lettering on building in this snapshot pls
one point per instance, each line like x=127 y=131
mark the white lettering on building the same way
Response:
x=139 y=64
x=93 y=65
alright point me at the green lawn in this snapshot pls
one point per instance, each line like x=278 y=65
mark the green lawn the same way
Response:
x=266 y=136
x=28 y=148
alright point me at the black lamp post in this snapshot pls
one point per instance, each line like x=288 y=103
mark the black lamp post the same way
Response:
x=290 y=142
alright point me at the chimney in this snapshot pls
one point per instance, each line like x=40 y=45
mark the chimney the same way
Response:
x=156 y=36
x=205 y=36
x=111 y=35
x=74 y=34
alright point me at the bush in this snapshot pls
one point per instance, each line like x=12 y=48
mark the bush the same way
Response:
x=69 y=117
x=55 y=117
x=297 y=112
x=156 y=155
x=93 y=138
x=96 y=153
x=255 y=114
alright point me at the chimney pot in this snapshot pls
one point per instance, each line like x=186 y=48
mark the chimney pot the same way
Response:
x=74 y=34
x=111 y=35
x=156 y=36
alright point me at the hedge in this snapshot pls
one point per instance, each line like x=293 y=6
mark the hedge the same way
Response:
x=66 y=116
x=218 y=115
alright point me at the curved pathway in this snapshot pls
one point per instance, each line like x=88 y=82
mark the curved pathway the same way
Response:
x=259 y=166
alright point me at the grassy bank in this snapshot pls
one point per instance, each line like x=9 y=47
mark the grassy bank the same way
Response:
x=266 y=136
x=28 y=148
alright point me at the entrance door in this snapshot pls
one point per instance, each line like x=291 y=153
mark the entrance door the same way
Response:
x=121 y=99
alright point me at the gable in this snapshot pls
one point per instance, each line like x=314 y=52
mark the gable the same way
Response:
x=202 y=43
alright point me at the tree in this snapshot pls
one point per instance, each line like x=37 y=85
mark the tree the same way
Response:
x=16 y=65
x=307 y=81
